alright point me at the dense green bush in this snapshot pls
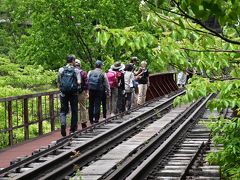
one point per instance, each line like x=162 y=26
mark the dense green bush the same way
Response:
x=226 y=133
x=18 y=80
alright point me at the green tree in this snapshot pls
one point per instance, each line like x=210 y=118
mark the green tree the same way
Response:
x=61 y=27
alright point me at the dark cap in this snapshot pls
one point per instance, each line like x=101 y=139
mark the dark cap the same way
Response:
x=134 y=59
x=71 y=58
x=99 y=63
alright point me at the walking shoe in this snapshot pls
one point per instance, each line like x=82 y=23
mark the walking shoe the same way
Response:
x=128 y=112
x=96 y=121
x=84 y=125
x=72 y=130
x=63 y=130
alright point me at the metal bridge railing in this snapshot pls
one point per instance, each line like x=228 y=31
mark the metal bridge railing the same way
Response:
x=161 y=84
x=28 y=116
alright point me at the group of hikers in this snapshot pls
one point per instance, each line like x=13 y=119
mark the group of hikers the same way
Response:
x=115 y=90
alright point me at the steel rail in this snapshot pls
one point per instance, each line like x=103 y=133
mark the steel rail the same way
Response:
x=90 y=147
x=142 y=170
x=193 y=159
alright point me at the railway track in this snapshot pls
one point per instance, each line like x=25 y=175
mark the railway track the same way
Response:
x=180 y=156
x=129 y=146
x=84 y=146
x=186 y=160
x=119 y=161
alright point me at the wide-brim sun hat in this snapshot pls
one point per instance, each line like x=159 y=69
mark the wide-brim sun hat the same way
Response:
x=117 y=66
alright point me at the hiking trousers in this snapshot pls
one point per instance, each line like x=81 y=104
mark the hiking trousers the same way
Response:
x=114 y=99
x=95 y=97
x=65 y=99
x=128 y=100
x=104 y=105
x=142 y=92
x=83 y=112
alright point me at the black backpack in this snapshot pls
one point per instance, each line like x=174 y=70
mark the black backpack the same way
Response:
x=95 y=81
x=68 y=81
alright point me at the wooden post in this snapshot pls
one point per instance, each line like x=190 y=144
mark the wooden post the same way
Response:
x=26 y=119
x=10 y=123
x=39 y=113
x=51 y=111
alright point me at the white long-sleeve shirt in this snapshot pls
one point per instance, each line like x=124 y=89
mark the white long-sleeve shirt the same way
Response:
x=128 y=78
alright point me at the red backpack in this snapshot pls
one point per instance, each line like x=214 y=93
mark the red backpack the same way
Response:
x=113 y=78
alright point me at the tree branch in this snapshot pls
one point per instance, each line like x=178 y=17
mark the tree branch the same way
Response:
x=197 y=21
x=224 y=79
x=212 y=50
x=192 y=29
x=84 y=44
x=204 y=26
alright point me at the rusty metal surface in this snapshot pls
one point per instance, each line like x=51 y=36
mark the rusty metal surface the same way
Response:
x=161 y=84
x=23 y=112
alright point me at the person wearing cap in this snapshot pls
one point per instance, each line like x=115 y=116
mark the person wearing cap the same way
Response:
x=142 y=77
x=69 y=97
x=133 y=63
x=97 y=85
x=117 y=93
x=82 y=97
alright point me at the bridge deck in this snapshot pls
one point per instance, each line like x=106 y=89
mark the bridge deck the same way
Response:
x=26 y=148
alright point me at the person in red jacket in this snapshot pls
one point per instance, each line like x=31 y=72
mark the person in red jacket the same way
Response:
x=117 y=89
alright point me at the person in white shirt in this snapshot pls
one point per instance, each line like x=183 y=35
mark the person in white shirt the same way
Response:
x=128 y=79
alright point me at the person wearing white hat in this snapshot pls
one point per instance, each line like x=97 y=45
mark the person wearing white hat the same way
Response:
x=117 y=92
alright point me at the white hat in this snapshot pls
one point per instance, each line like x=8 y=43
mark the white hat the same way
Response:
x=117 y=66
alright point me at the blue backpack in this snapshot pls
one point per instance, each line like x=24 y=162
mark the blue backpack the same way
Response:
x=68 y=81
x=95 y=81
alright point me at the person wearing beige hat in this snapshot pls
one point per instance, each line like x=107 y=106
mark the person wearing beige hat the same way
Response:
x=118 y=91
x=82 y=96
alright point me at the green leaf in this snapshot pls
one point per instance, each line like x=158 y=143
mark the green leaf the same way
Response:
x=181 y=24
